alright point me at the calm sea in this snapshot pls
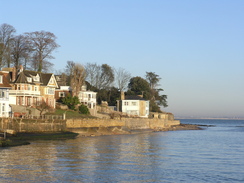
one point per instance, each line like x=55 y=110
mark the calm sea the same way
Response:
x=215 y=154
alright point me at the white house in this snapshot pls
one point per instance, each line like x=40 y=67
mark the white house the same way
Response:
x=5 y=109
x=88 y=98
x=133 y=105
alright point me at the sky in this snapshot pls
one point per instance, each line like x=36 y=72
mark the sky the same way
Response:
x=195 y=46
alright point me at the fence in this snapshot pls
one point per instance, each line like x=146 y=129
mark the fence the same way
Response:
x=26 y=116
x=4 y=135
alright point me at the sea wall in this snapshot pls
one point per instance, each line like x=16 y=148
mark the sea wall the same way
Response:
x=55 y=125
x=32 y=125
x=132 y=123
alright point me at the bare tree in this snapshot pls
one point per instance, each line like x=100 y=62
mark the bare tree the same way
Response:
x=99 y=76
x=43 y=106
x=6 y=34
x=19 y=50
x=68 y=70
x=122 y=78
x=92 y=73
x=77 y=76
x=42 y=44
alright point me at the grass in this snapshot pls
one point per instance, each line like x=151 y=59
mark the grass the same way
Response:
x=70 y=114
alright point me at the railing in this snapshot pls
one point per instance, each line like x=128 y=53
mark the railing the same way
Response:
x=4 y=135
x=25 y=116
x=24 y=92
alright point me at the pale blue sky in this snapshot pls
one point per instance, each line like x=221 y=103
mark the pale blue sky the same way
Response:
x=196 y=46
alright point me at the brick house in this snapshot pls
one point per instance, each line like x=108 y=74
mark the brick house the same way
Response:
x=61 y=92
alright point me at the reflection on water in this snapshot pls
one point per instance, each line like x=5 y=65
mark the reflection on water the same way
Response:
x=209 y=155
x=106 y=158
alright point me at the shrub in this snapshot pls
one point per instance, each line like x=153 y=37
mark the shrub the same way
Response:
x=70 y=101
x=83 y=109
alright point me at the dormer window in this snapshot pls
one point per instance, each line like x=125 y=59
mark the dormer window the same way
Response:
x=36 y=78
x=29 y=79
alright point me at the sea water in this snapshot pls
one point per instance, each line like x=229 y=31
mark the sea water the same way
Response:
x=214 y=154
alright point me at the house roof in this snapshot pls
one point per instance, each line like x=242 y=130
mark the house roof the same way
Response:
x=21 y=78
x=44 y=77
x=134 y=97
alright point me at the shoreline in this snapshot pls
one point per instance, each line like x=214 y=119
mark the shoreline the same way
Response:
x=24 y=138
x=101 y=131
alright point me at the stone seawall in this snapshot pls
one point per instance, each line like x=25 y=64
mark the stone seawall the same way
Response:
x=132 y=123
x=32 y=125
x=55 y=125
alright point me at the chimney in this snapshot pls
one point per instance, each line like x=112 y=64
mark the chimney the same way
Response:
x=13 y=74
x=21 y=68
x=122 y=95
x=140 y=96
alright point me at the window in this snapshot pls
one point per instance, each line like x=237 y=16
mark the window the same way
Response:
x=1 y=78
x=134 y=103
x=126 y=103
x=50 y=91
x=36 y=78
x=61 y=94
x=2 y=93
x=35 y=88
x=29 y=79
x=3 y=107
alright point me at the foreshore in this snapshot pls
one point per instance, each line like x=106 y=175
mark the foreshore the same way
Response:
x=24 y=138
x=91 y=132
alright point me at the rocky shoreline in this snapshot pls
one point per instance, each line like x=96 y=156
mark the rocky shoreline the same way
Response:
x=91 y=132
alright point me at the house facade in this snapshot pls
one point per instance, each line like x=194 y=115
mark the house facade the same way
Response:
x=62 y=92
x=5 y=108
x=133 y=105
x=31 y=88
x=88 y=98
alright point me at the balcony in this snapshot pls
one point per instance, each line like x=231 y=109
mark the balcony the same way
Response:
x=24 y=93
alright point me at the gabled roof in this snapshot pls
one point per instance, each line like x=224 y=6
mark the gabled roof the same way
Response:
x=44 y=77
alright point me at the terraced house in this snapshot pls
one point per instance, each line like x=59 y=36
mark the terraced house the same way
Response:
x=30 y=88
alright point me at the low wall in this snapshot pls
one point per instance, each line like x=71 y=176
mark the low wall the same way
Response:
x=132 y=123
x=88 y=123
x=56 y=125
x=32 y=125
